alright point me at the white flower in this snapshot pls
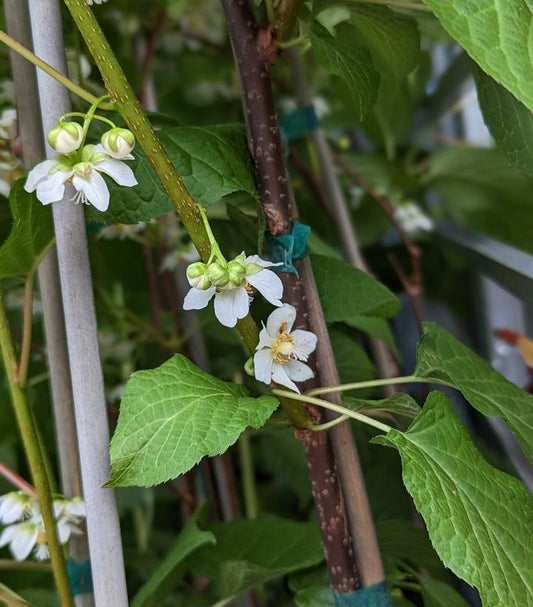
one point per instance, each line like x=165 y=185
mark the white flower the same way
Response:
x=14 y=507
x=412 y=218
x=280 y=351
x=11 y=169
x=23 y=536
x=90 y=2
x=81 y=169
x=232 y=299
x=8 y=124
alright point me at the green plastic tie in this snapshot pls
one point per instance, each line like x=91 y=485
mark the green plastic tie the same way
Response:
x=299 y=123
x=79 y=575
x=287 y=248
x=377 y=595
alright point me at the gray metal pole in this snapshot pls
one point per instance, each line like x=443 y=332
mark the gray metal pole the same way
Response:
x=29 y=119
x=105 y=545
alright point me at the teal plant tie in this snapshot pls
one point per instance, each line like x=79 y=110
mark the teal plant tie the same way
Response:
x=79 y=575
x=287 y=248
x=298 y=123
x=377 y=595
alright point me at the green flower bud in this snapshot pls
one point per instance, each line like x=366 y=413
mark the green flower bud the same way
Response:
x=217 y=274
x=118 y=143
x=196 y=275
x=236 y=272
x=253 y=268
x=83 y=169
x=66 y=137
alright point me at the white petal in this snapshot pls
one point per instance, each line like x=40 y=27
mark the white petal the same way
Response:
x=260 y=262
x=197 y=299
x=286 y=314
x=63 y=531
x=76 y=507
x=304 y=343
x=268 y=284
x=42 y=553
x=95 y=189
x=230 y=305
x=24 y=541
x=265 y=340
x=52 y=189
x=41 y=171
x=263 y=361
x=12 y=508
x=8 y=534
x=298 y=371
x=119 y=171
x=280 y=377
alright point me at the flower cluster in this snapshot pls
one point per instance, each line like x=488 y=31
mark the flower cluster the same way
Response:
x=10 y=165
x=232 y=284
x=81 y=165
x=412 y=218
x=25 y=531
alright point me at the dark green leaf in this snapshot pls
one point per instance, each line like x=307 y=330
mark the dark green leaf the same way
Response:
x=509 y=121
x=31 y=236
x=400 y=405
x=315 y=596
x=496 y=35
x=352 y=63
x=190 y=539
x=478 y=518
x=441 y=357
x=213 y=161
x=439 y=594
x=346 y=292
x=172 y=416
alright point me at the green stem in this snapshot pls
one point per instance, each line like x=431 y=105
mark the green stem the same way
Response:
x=328 y=425
x=91 y=114
x=376 y=383
x=28 y=565
x=26 y=332
x=51 y=71
x=293 y=42
x=128 y=105
x=270 y=11
x=215 y=249
x=34 y=456
x=408 y=585
x=82 y=115
x=332 y=407
x=248 y=478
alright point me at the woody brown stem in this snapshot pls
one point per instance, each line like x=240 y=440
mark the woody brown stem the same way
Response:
x=255 y=52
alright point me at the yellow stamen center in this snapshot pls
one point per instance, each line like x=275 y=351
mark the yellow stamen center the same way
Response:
x=283 y=348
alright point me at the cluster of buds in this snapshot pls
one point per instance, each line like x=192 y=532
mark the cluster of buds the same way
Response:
x=222 y=275
x=67 y=137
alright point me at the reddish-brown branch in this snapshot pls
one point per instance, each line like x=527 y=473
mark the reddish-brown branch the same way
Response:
x=255 y=52
x=413 y=283
x=16 y=480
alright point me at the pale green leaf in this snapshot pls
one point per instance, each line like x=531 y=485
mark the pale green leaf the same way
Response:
x=213 y=161
x=477 y=517
x=190 y=538
x=441 y=357
x=173 y=416
x=349 y=61
x=32 y=233
x=392 y=39
x=497 y=35
x=315 y=596
x=509 y=121
x=439 y=594
x=399 y=405
x=347 y=293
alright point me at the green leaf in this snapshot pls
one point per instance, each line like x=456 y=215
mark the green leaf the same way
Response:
x=172 y=416
x=399 y=405
x=439 y=594
x=315 y=596
x=392 y=39
x=190 y=539
x=249 y=552
x=509 y=121
x=477 y=517
x=441 y=357
x=347 y=293
x=31 y=236
x=497 y=35
x=213 y=161
x=353 y=363
x=352 y=63
x=375 y=327
x=484 y=193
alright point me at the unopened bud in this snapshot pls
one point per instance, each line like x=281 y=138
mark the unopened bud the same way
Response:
x=217 y=274
x=118 y=142
x=66 y=137
x=196 y=275
x=253 y=268
x=236 y=272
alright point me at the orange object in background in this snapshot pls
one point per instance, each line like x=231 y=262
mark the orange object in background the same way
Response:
x=521 y=342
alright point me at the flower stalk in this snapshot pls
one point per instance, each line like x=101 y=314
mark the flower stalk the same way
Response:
x=34 y=455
